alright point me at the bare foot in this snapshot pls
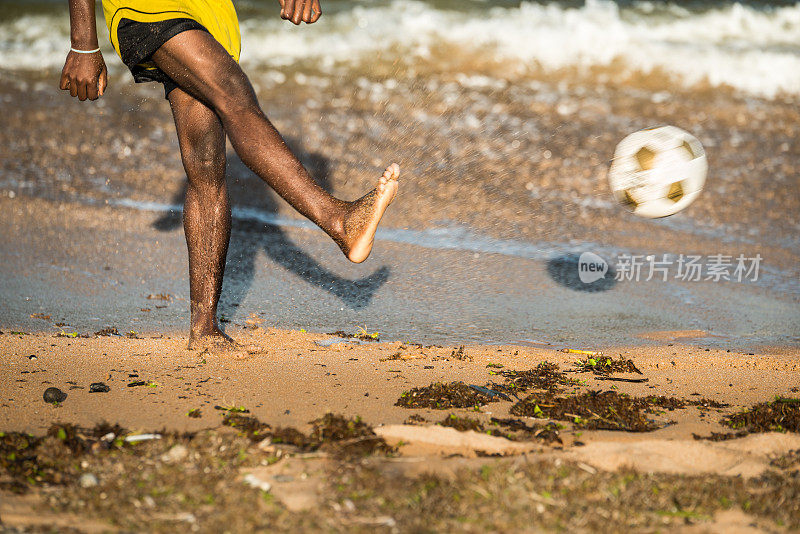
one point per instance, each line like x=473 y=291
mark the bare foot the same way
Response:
x=364 y=214
x=216 y=339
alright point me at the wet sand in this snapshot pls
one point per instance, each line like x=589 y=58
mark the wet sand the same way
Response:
x=503 y=183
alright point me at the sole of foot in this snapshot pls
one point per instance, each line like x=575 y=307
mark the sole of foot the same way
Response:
x=362 y=220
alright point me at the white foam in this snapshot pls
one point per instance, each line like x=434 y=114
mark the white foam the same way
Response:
x=753 y=50
x=34 y=42
x=756 y=51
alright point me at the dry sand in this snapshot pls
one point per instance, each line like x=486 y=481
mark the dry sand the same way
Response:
x=288 y=379
x=292 y=380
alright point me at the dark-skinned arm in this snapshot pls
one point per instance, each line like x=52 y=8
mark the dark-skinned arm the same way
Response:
x=298 y=11
x=84 y=75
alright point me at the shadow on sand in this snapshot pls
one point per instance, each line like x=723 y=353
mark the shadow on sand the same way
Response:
x=563 y=269
x=249 y=237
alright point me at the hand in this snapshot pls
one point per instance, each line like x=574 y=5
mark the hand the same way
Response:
x=84 y=75
x=297 y=11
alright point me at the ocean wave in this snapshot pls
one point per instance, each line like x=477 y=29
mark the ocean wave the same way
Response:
x=753 y=49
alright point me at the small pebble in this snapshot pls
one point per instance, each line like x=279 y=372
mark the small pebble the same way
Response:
x=99 y=387
x=175 y=454
x=88 y=480
x=53 y=395
x=32 y=357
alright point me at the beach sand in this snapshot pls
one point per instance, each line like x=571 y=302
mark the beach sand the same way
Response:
x=291 y=378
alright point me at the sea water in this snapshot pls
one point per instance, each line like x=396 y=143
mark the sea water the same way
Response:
x=752 y=47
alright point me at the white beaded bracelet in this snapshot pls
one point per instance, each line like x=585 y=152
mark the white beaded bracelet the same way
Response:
x=85 y=51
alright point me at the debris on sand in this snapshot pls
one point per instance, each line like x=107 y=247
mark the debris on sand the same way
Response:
x=786 y=461
x=402 y=354
x=290 y=436
x=491 y=392
x=510 y=429
x=194 y=413
x=98 y=387
x=582 y=351
x=704 y=403
x=42 y=316
x=442 y=396
x=544 y=376
x=415 y=419
x=462 y=424
x=603 y=365
x=449 y=441
x=517 y=430
x=347 y=437
x=175 y=454
x=780 y=415
x=159 y=296
x=721 y=436
x=459 y=354
x=607 y=410
x=108 y=331
x=232 y=409
x=54 y=395
x=331 y=433
x=88 y=480
x=254 y=482
x=249 y=426
x=361 y=335
x=136 y=438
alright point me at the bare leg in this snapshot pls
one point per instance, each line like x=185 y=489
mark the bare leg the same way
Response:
x=202 y=68
x=207 y=210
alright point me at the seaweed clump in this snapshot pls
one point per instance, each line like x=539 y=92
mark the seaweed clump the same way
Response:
x=415 y=419
x=780 y=415
x=604 y=365
x=511 y=429
x=544 y=376
x=29 y=460
x=720 y=436
x=361 y=335
x=442 y=396
x=462 y=424
x=347 y=437
x=517 y=430
x=249 y=426
x=335 y=433
x=606 y=410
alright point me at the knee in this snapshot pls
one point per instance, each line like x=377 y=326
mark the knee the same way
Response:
x=236 y=97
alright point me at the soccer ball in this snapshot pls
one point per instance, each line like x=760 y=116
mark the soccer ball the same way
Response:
x=658 y=171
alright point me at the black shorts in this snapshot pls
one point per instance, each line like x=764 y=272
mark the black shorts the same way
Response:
x=138 y=41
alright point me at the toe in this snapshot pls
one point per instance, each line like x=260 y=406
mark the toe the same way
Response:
x=391 y=172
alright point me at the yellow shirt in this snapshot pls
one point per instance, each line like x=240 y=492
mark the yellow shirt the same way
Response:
x=217 y=16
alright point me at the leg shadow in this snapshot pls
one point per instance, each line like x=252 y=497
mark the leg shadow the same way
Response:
x=564 y=270
x=248 y=237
